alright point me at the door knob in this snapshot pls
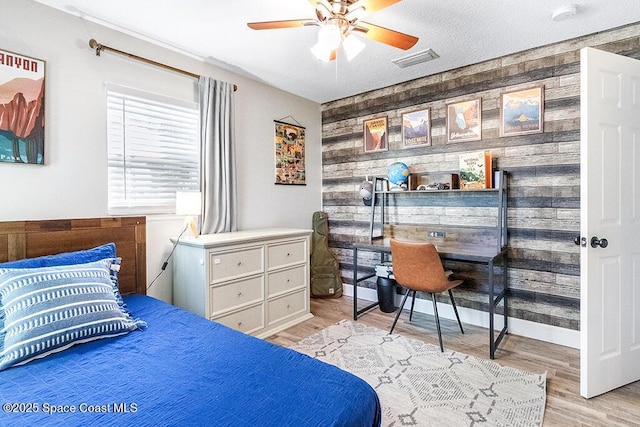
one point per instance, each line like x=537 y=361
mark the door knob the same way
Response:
x=576 y=240
x=595 y=242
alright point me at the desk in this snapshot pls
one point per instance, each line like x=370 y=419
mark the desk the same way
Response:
x=476 y=255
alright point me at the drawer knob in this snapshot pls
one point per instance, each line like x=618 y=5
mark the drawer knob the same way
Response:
x=288 y=306
x=288 y=254
x=239 y=263
x=288 y=280
x=239 y=324
x=239 y=294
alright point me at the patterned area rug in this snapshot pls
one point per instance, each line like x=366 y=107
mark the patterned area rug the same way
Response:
x=420 y=386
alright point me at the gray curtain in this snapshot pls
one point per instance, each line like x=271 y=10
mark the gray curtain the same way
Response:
x=218 y=177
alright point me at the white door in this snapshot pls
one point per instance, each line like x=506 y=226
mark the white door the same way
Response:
x=610 y=210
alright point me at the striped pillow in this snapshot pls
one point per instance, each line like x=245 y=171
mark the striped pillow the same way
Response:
x=47 y=310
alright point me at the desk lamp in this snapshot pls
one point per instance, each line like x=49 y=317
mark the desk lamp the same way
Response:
x=189 y=203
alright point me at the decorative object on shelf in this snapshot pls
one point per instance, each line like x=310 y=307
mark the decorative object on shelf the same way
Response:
x=475 y=170
x=376 y=135
x=464 y=121
x=440 y=181
x=22 y=102
x=290 y=161
x=439 y=186
x=522 y=112
x=398 y=175
x=416 y=128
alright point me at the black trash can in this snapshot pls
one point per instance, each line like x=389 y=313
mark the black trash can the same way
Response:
x=386 y=294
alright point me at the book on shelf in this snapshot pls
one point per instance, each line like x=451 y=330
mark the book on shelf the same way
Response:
x=475 y=170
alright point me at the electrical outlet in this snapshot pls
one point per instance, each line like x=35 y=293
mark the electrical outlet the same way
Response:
x=437 y=234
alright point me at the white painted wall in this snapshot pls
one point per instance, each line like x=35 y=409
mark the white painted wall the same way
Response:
x=73 y=182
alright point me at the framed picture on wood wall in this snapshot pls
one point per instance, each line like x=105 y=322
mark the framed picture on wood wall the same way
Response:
x=522 y=111
x=416 y=128
x=376 y=135
x=464 y=121
x=22 y=107
x=290 y=160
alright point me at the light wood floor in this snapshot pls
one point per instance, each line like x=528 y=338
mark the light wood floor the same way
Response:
x=564 y=407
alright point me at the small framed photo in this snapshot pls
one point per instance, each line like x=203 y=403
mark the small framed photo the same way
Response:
x=376 y=135
x=464 y=121
x=416 y=128
x=522 y=111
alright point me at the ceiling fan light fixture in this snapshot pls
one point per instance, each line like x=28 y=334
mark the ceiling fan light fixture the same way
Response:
x=330 y=36
x=352 y=46
x=321 y=52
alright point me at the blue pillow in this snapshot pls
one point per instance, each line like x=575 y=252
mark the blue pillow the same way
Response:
x=98 y=253
x=49 y=309
x=65 y=258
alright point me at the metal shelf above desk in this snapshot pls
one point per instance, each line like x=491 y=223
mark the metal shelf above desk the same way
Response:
x=380 y=199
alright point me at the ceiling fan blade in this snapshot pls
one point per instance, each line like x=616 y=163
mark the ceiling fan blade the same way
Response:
x=372 y=6
x=271 y=25
x=387 y=36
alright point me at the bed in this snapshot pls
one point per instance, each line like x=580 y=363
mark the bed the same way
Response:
x=173 y=368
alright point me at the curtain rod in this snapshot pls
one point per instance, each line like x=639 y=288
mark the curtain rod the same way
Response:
x=100 y=47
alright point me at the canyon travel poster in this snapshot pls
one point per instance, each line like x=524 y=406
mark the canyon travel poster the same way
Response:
x=21 y=109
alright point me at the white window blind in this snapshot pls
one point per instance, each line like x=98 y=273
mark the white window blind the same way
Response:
x=153 y=150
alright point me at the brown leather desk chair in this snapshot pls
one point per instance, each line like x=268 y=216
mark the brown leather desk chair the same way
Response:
x=417 y=267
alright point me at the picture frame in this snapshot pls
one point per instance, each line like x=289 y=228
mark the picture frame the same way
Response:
x=22 y=92
x=464 y=120
x=376 y=134
x=416 y=128
x=290 y=154
x=522 y=111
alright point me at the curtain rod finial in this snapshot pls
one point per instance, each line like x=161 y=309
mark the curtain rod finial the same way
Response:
x=95 y=45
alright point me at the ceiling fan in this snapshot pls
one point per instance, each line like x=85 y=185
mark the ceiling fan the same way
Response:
x=339 y=20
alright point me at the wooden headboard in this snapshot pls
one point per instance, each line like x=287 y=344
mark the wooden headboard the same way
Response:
x=27 y=239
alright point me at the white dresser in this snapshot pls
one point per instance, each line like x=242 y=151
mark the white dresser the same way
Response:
x=255 y=281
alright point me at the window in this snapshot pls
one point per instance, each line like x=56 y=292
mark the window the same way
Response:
x=153 y=150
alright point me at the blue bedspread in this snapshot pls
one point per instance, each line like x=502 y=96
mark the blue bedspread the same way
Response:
x=183 y=370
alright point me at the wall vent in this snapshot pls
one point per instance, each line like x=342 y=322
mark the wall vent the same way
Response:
x=416 y=58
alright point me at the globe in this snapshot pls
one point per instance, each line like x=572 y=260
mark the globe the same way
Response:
x=398 y=174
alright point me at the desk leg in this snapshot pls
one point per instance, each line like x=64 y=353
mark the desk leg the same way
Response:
x=492 y=349
x=356 y=280
x=505 y=290
x=503 y=296
x=355 y=283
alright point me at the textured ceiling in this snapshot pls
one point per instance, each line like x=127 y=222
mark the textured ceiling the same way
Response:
x=462 y=32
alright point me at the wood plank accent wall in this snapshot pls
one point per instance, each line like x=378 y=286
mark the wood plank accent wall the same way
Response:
x=544 y=181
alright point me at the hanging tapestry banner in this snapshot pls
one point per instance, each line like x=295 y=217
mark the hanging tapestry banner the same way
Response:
x=289 y=143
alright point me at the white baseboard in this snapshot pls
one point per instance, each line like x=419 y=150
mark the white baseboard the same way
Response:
x=525 y=328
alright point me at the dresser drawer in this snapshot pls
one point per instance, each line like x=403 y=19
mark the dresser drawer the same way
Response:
x=238 y=263
x=286 y=280
x=287 y=253
x=232 y=295
x=247 y=320
x=285 y=306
